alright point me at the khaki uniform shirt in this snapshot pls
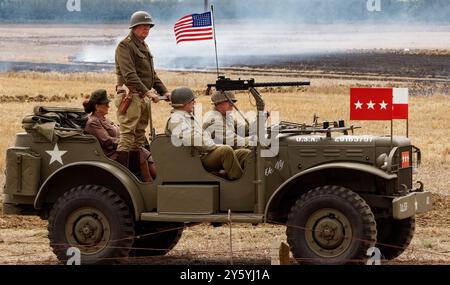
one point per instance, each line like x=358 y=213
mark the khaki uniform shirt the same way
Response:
x=106 y=132
x=186 y=130
x=225 y=129
x=134 y=66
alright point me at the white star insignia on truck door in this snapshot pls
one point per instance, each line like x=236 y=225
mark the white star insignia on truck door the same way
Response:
x=56 y=155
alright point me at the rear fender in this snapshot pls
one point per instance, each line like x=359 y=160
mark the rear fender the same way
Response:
x=91 y=172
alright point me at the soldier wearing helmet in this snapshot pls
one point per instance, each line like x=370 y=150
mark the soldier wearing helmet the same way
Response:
x=183 y=127
x=223 y=126
x=136 y=77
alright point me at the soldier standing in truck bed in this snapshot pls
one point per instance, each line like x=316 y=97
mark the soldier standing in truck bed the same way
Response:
x=136 y=77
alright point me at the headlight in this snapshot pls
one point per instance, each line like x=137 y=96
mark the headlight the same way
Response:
x=382 y=161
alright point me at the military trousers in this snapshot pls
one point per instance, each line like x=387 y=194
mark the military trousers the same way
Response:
x=133 y=123
x=226 y=158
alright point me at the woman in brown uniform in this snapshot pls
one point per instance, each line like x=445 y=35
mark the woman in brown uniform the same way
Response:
x=108 y=133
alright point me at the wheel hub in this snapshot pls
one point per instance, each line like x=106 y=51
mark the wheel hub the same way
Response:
x=88 y=229
x=328 y=232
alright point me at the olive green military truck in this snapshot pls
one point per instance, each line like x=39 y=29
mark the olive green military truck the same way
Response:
x=338 y=194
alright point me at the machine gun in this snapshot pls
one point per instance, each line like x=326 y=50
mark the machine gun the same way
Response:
x=227 y=84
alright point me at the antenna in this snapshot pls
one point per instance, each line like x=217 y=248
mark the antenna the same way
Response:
x=215 y=41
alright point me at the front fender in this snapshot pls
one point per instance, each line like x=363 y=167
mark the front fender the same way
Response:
x=113 y=171
x=340 y=165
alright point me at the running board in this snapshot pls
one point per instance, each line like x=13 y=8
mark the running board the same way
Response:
x=236 y=218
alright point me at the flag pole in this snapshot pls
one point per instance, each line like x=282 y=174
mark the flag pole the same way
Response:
x=215 y=40
x=407 y=127
x=392 y=132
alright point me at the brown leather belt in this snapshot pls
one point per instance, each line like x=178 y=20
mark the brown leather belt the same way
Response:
x=131 y=90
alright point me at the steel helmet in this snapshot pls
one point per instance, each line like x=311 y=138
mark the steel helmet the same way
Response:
x=219 y=97
x=181 y=96
x=141 y=18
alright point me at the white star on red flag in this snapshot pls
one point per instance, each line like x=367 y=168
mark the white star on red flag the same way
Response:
x=358 y=105
x=370 y=105
x=383 y=105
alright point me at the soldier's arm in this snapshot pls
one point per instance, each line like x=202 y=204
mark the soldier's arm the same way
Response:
x=182 y=133
x=201 y=138
x=106 y=141
x=241 y=128
x=208 y=143
x=239 y=125
x=209 y=125
x=127 y=68
x=217 y=127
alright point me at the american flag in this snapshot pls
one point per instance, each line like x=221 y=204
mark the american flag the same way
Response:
x=194 y=27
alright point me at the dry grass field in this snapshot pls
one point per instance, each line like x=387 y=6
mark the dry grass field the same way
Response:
x=23 y=239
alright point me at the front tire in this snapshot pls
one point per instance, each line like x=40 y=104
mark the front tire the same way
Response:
x=330 y=225
x=93 y=219
x=394 y=236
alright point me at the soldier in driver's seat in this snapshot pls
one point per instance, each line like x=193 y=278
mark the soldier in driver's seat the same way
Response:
x=184 y=128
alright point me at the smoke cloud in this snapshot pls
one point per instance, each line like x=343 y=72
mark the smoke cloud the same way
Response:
x=254 y=31
x=245 y=43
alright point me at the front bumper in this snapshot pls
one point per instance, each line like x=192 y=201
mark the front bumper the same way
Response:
x=411 y=204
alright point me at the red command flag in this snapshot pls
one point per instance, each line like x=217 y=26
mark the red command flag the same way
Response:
x=371 y=104
x=400 y=103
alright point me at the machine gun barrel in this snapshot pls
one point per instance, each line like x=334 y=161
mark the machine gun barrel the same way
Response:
x=226 y=84
x=281 y=84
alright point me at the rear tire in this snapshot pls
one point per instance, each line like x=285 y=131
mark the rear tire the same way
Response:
x=93 y=219
x=330 y=225
x=394 y=236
